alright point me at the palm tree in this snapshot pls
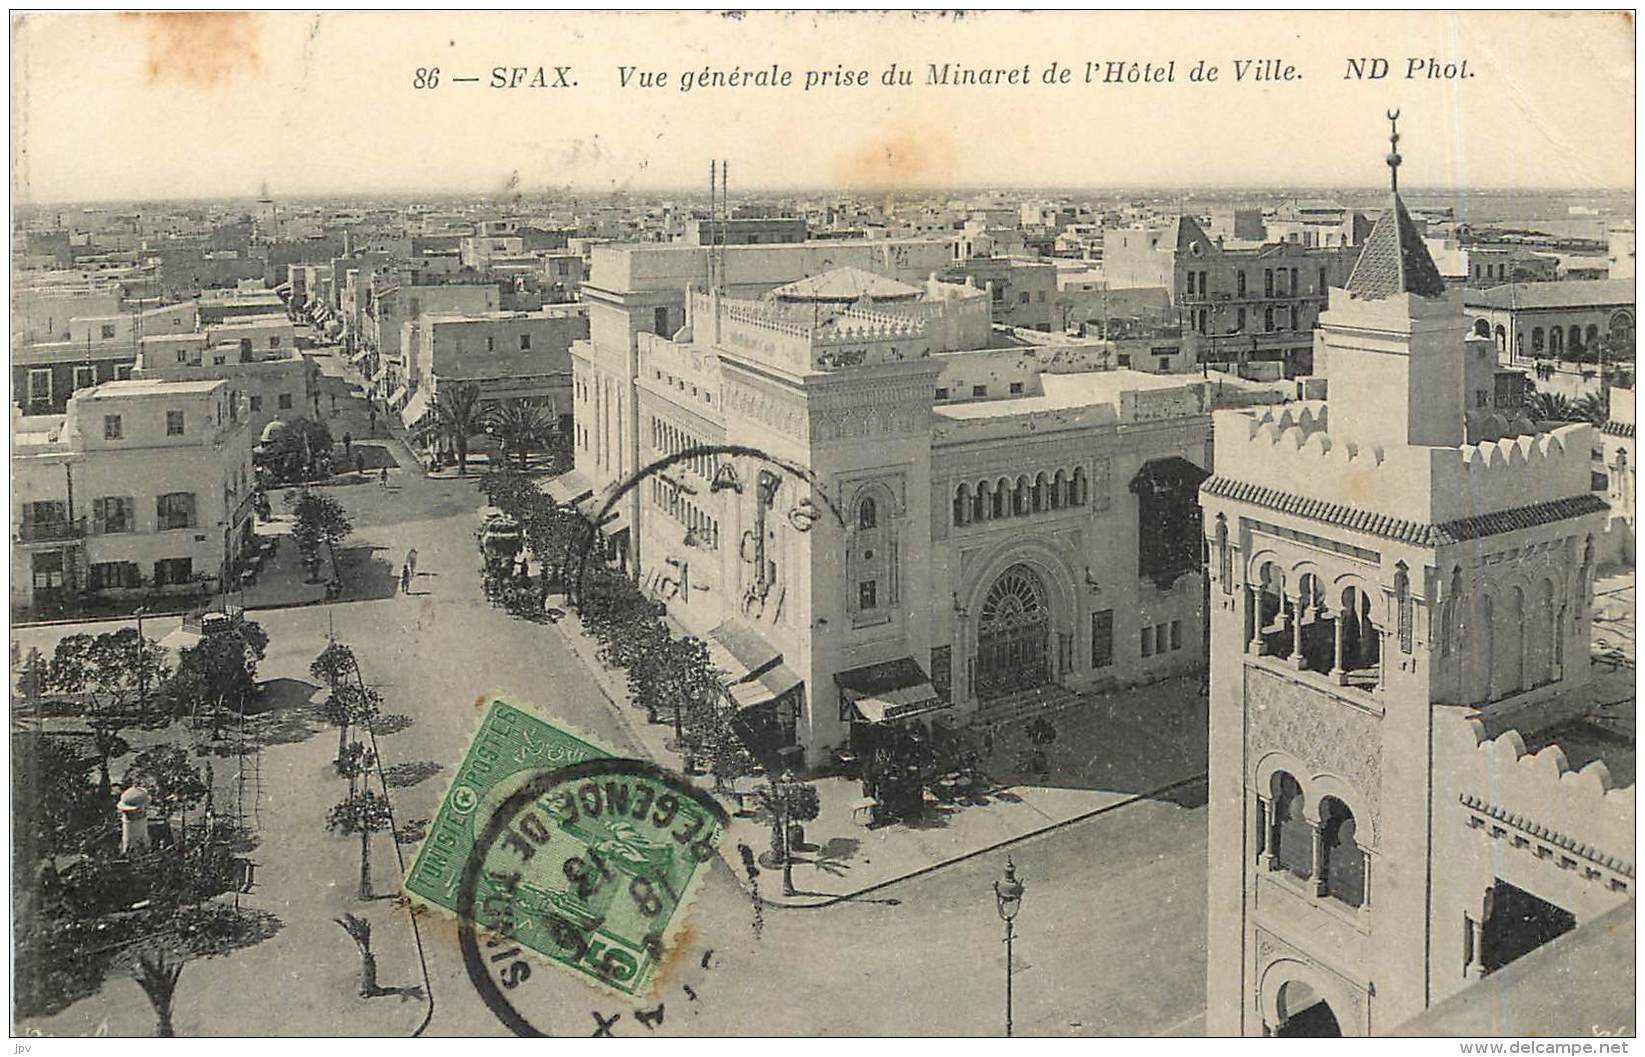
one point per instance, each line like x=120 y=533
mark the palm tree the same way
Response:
x=457 y=417
x=359 y=929
x=1552 y=407
x=1592 y=407
x=157 y=976
x=520 y=425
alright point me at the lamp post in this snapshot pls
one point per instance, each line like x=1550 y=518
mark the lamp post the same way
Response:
x=1008 y=901
x=142 y=659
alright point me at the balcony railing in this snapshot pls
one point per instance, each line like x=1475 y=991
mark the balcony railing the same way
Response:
x=51 y=531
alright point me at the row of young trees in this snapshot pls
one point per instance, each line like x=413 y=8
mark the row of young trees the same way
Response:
x=670 y=677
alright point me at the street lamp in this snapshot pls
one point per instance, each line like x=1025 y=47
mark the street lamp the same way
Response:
x=1008 y=901
x=142 y=659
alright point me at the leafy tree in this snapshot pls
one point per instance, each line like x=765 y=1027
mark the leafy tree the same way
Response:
x=157 y=975
x=110 y=675
x=218 y=673
x=520 y=426
x=174 y=785
x=359 y=930
x=787 y=799
x=457 y=417
x=55 y=800
x=356 y=763
x=334 y=665
x=320 y=521
x=363 y=813
x=349 y=705
x=298 y=452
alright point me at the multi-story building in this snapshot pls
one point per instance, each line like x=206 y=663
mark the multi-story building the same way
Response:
x=506 y=355
x=97 y=349
x=1401 y=591
x=931 y=526
x=391 y=307
x=141 y=486
x=1558 y=320
x=1024 y=291
x=743 y=231
x=1246 y=301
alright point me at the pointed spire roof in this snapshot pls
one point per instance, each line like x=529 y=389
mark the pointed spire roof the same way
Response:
x=1394 y=259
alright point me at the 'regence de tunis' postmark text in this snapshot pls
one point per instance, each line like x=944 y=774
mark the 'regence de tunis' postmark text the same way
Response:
x=545 y=842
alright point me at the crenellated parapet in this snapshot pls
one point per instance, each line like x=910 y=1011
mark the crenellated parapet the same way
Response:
x=1292 y=448
x=1575 y=817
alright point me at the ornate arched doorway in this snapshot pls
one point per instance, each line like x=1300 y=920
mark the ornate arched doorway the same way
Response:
x=1013 y=634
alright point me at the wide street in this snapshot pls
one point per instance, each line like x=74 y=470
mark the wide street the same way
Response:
x=1110 y=939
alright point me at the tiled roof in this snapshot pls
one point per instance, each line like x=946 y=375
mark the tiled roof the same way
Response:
x=1565 y=293
x=1395 y=260
x=1415 y=532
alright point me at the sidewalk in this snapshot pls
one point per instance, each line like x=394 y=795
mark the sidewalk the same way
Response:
x=1119 y=748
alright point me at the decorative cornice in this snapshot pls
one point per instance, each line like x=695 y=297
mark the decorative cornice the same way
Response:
x=1541 y=832
x=1419 y=533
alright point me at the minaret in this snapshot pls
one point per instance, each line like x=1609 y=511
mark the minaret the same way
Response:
x=1394 y=337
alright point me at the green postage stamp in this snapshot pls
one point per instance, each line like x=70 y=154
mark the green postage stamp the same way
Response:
x=547 y=842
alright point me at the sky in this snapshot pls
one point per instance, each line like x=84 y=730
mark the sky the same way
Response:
x=134 y=107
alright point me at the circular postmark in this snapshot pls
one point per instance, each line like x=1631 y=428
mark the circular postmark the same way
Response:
x=590 y=865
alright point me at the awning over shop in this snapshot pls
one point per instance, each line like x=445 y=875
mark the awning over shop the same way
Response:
x=739 y=651
x=766 y=687
x=415 y=411
x=397 y=398
x=569 y=488
x=614 y=522
x=889 y=690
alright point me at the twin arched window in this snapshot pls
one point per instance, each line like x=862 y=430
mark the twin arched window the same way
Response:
x=1338 y=869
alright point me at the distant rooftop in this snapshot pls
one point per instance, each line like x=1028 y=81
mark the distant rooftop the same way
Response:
x=1068 y=391
x=129 y=387
x=1567 y=293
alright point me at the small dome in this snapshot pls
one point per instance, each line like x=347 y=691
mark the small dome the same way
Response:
x=134 y=799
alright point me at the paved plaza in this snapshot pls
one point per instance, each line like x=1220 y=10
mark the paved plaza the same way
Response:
x=1110 y=842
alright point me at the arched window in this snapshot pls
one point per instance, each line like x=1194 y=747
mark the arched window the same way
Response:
x=1344 y=865
x=1020 y=497
x=1059 y=490
x=1591 y=335
x=1268 y=318
x=1536 y=339
x=1002 y=489
x=1293 y=838
x=1077 y=487
x=1040 y=502
x=962 y=504
x=980 y=508
x=1482 y=328
x=867 y=514
x=1556 y=343
x=1573 y=339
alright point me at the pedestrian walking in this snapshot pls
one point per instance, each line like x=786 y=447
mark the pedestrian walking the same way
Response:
x=405 y=579
x=382 y=479
x=360 y=463
x=348 y=444
x=371 y=413
x=334 y=405
x=411 y=560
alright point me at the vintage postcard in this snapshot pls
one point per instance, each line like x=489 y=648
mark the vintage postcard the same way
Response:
x=747 y=524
